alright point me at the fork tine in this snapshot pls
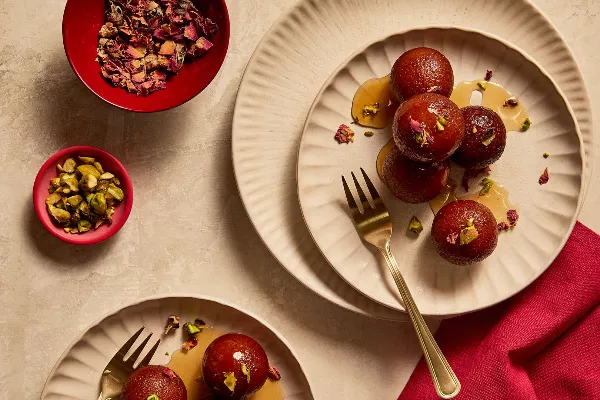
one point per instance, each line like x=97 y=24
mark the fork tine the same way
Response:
x=349 y=197
x=361 y=194
x=372 y=190
x=149 y=356
x=123 y=350
x=133 y=357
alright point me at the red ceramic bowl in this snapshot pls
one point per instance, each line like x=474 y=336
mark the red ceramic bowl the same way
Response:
x=109 y=164
x=82 y=20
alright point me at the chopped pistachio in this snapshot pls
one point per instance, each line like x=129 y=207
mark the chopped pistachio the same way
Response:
x=107 y=176
x=88 y=182
x=487 y=184
x=246 y=372
x=84 y=225
x=69 y=166
x=66 y=190
x=370 y=109
x=59 y=215
x=230 y=380
x=87 y=160
x=74 y=201
x=526 y=124
x=55 y=183
x=153 y=397
x=442 y=120
x=487 y=137
x=439 y=126
x=415 y=225
x=109 y=213
x=469 y=233
x=116 y=181
x=191 y=328
x=75 y=217
x=116 y=192
x=369 y=133
x=98 y=223
x=72 y=184
x=84 y=208
x=98 y=203
x=167 y=353
x=53 y=199
x=474 y=129
x=102 y=186
x=106 y=372
x=88 y=170
x=546 y=155
x=98 y=166
x=482 y=85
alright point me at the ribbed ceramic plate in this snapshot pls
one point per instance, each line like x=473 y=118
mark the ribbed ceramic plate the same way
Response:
x=547 y=213
x=292 y=63
x=76 y=376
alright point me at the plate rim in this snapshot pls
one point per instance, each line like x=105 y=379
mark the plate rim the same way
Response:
x=164 y=296
x=334 y=297
x=580 y=195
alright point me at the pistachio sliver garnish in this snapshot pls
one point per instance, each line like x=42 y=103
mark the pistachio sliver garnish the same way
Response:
x=59 y=214
x=88 y=170
x=87 y=160
x=69 y=166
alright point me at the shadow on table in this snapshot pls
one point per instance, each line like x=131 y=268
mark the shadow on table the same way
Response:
x=63 y=254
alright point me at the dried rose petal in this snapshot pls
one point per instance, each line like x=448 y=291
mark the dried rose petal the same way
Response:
x=344 y=134
x=167 y=48
x=472 y=173
x=190 y=32
x=503 y=226
x=416 y=126
x=512 y=216
x=169 y=372
x=172 y=324
x=190 y=344
x=451 y=238
x=434 y=89
x=488 y=75
x=544 y=178
x=510 y=103
x=274 y=374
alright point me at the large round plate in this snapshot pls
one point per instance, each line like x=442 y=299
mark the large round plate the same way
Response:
x=76 y=376
x=547 y=213
x=289 y=68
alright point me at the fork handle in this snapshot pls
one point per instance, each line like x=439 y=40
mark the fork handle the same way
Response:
x=445 y=381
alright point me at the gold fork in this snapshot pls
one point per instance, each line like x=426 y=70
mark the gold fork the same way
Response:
x=374 y=226
x=118 y=369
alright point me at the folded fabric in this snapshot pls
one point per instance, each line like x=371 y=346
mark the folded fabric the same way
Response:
x=543 y=343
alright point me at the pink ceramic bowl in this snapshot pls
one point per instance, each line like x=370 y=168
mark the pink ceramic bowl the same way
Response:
x=109 y=164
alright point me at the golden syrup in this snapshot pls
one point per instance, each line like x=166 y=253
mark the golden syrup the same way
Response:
x=496 y=200
x=493 y=97
x=447 y=195
x=188 y=365
x=381 y=157
x=374 y=92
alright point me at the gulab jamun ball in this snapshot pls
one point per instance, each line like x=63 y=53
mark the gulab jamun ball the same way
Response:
x=485 y=138
x=154 y=379
x=428 y=128
x=411 y=181
x=421 y=70
x=235 y=366
x=464 y=232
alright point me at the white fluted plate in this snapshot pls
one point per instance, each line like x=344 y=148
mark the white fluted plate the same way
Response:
x=288 y=69
x=547 y=212
x=76 y=375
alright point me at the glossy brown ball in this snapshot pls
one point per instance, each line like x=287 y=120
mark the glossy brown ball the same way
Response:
x=485 y=138
x=433 y=144
x=154 y=379
x=449 y=222
x=421 y=70
x=225 y=355
x=414 y=182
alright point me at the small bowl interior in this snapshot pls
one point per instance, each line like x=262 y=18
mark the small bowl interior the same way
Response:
x=109 y=164
x=82 y=20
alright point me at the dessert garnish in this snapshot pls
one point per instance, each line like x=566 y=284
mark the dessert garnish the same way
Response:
x=474 y=129
x=546 y=155
x=106 y=372
x=512 y=217
x=468 y=233
x=274 y=374
x=503 y=226
x=344 y=134
x=482 y=85
x=434 y=89
x=369 y=133
x=526 y=124
x=82 y=197
x=441 y=123
x=487 y=137
x=192 y=329
x=153 y=397
x=370 y=109
x=415 y=225
x=451 y=238
x=172 y=324
x=488 y=75
x=142 y=41
x=246 y=372
x=190 y=343
x=544 y=178
x=230 y=380
x=169 y=372
x=420 y=133
x=510 y=103
x=472 y=173
x=487 y=184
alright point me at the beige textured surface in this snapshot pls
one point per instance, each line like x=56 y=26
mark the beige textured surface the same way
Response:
x=50 y=291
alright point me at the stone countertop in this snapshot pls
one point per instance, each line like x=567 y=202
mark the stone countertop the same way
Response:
x=198 y=238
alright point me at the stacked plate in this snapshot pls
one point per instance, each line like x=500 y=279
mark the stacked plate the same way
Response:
x=298 y=88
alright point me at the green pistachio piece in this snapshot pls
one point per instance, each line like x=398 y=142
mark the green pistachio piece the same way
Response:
x=102 y=186
x=64 y=176
x=75 y=217
x=526 y=124
x=116 y=181
x=69 y=166
x=72 y=184
x=153 y=397
x=88 y=182
x=116 y=192
x=98 y=223
x=107 y=176
x=55 y=183
x=230 y=380
x=415 y=225
x=84 y=208
x=109 y=213
x=67 y=229
x=88 y=170
x=87 y=160
x=98 y=203
x=59 y=168
x=191 y=329
x=89 y=196
x=246 y=372
x=66 y=190
x=482 y=85
x=487 y=184
x=53 y=199
x=59 y=214
x=84 y=225
x=469 y=233
x=546 y=155
x=439 y=126
x=74 y=200
x=98 y=166
x=369 y=133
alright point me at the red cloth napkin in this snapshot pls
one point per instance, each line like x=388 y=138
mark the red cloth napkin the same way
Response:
x=544 y=343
